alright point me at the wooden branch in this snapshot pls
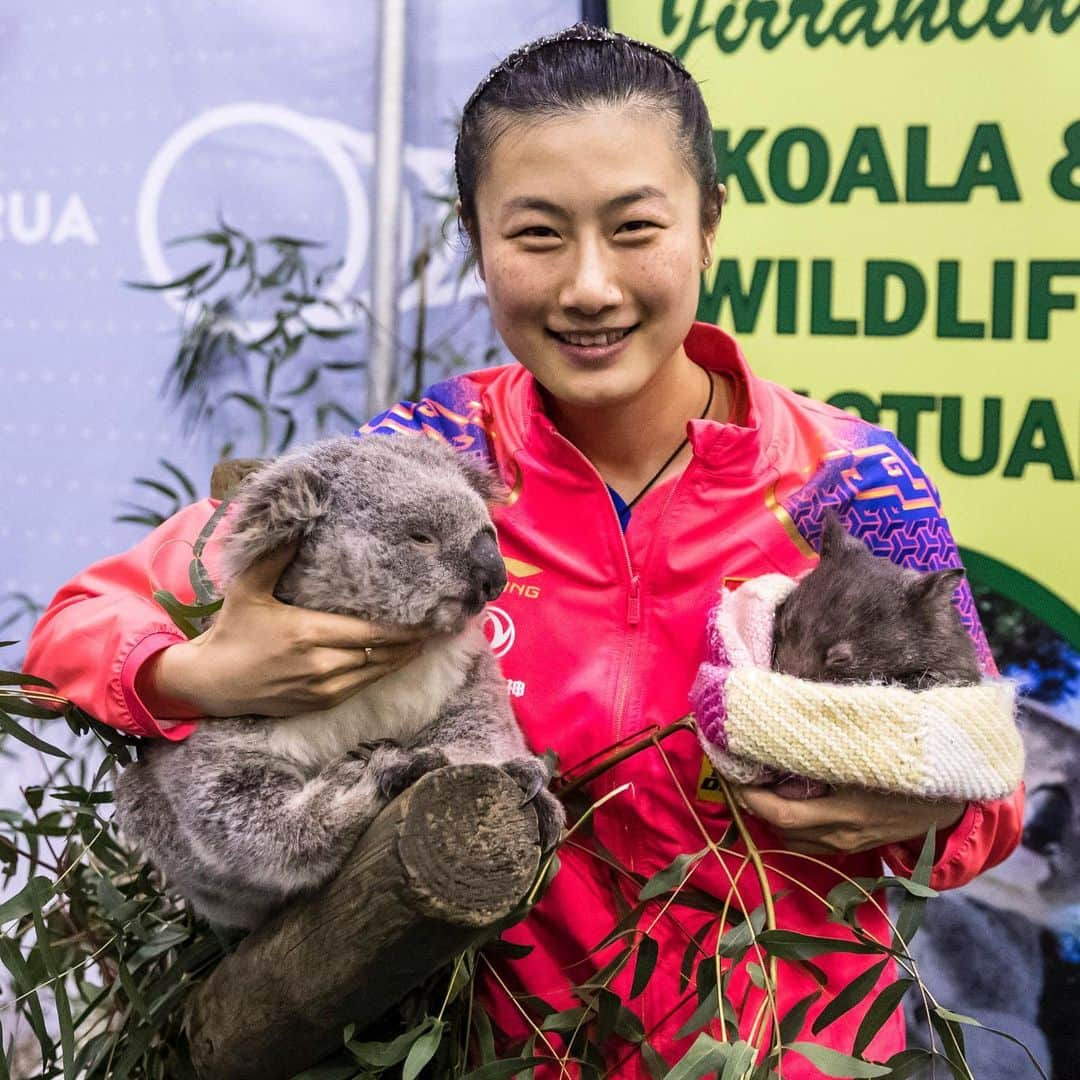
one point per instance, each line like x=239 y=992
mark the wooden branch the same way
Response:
x=448 y=859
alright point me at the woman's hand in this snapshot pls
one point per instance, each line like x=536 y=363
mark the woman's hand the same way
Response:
x=265 y=657
x=848 y=819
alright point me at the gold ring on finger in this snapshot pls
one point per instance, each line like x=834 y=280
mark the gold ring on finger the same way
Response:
x=367 y=654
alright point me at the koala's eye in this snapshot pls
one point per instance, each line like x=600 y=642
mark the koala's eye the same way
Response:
x=421 y=538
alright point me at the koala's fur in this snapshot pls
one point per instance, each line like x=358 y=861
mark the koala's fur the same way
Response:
x=248 y=811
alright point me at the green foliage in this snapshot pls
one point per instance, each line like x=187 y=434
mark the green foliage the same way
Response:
x=100 y=959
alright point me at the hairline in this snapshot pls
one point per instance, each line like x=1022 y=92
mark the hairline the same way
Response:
x=498 y=119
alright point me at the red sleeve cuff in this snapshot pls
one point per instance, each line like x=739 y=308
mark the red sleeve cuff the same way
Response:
x=148 y=714
x=952 y=847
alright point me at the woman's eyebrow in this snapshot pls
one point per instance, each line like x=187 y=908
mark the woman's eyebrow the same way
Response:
x=545 y=206
x=637 y=195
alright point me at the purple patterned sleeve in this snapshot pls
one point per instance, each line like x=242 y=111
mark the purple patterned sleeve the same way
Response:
x=883 y=497
x=449 y=411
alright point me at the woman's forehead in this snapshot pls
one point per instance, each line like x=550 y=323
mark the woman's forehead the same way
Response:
x=592 y=158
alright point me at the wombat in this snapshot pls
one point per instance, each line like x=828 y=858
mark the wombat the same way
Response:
x=857 y=617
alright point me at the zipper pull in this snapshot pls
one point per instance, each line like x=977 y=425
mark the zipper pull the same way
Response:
x=633 y=604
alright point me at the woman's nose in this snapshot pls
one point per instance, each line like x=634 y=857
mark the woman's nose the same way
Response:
x=591 y=284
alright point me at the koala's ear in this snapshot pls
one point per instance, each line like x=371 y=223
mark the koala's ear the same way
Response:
x=936 y=586
x=834 y=537
x=483 y=479
x=274 y=507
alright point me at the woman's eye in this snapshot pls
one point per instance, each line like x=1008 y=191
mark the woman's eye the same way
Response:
x=536 y=232
x=636 y=226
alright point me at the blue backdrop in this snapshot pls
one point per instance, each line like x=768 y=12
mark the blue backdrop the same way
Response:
x=126 y=125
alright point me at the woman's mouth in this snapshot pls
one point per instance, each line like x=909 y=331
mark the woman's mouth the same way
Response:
x=592 y=346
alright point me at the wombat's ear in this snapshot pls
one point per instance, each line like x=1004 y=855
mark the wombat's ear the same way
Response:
x=839 y=655
x=483 y=479
x=937 y=585
x=834 y=537
x=274 y=507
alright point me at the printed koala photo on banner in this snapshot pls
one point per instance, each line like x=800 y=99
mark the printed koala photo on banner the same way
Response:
x=900 y=239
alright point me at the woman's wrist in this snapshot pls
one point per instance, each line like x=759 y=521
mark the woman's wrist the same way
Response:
x=165 y=686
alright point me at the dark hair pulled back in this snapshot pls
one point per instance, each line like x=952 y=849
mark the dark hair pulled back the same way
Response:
x=578 y=68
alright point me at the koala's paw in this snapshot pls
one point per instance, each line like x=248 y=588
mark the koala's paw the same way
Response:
x=345 y=772
x=531 y=775
x=363 y=751
x=395 y=768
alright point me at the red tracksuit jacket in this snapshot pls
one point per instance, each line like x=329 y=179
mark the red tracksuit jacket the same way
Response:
x=600 y=633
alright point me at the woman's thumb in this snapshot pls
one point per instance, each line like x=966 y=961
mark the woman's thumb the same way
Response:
x=263 y=574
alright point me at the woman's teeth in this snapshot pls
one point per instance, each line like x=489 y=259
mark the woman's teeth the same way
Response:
x=606 y=337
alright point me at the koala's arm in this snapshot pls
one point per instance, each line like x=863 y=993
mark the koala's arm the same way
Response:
x=260 y=822
x=477 y=726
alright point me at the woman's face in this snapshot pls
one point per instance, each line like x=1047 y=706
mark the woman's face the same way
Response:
x=591 y=246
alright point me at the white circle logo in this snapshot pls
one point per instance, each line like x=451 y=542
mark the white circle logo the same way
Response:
x=499 y=630
x=317 y=134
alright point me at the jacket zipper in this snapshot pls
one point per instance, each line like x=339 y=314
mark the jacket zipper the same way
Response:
x=633 y=601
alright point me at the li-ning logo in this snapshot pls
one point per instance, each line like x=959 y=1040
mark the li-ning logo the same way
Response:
x=518 y=570
x=499 y=630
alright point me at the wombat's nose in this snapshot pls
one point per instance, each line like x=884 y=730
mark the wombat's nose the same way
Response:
x=486 y=570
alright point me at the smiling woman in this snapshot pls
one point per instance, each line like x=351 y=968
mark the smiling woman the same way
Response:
x=647 y=466
x=593 y=283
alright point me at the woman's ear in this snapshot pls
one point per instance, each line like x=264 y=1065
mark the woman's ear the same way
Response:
x=708 y=237
x=469 y=229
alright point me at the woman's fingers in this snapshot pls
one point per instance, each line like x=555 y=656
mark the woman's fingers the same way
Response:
x=327 y=630
x=263 y=575
x=848 y=819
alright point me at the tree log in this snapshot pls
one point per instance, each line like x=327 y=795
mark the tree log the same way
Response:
x=448 y=859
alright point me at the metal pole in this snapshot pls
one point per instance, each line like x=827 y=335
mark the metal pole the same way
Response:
x=387 y=208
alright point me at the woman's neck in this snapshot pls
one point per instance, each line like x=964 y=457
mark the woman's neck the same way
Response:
x=630 y=440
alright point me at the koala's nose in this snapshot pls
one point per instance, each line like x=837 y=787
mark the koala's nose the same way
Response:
x=486 y=570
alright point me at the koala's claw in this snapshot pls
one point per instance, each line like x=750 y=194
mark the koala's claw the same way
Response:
x=363 y=751
x=397 y=768
x=531 y=775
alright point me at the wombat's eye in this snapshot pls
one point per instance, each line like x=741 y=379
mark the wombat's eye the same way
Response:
x=422 y=538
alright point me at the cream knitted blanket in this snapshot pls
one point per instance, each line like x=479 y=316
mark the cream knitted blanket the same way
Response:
x=758 y=725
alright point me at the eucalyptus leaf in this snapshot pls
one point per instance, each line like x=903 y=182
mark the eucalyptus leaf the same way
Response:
x=671 y=877
x=739 y=938
x=849 y=997
x=908 y=1062
x=500 y=1070
x=16 y=731
x=705 y=1055
x=648 y=952
x=423 y=1050
x=25 y=900
x=885 y=1004
x=742 y=1057
x=654 y=1062
x=380 y=1054
x=952 y=1044
x=20 y=678
x=793 y=1021
x=833 y=1063
x=792 y=945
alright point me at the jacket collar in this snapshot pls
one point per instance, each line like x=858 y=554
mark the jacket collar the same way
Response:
x=727 y=450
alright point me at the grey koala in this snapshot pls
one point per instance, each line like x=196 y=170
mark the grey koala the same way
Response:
x=249 y=811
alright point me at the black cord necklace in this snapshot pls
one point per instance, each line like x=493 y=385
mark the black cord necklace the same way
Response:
x=678 y=450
